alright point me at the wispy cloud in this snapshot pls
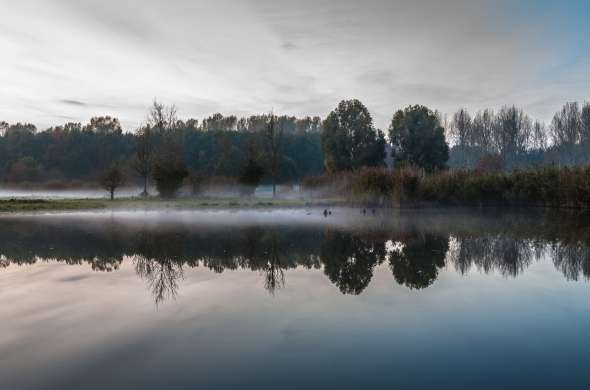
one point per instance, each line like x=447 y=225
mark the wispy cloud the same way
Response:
x=70 y=102
x=84 y=58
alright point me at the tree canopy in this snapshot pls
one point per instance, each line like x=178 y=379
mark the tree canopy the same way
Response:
x=350 y=140
x=418 y=138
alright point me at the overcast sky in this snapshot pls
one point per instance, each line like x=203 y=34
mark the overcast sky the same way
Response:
x=68 y=60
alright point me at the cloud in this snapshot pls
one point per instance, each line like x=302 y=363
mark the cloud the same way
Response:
x=248 y=56
x=71 y=102
x=289 y=45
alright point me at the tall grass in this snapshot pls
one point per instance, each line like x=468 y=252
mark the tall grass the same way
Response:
x=547 y=187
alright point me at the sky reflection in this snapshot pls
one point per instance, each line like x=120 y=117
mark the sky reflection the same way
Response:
x=453 y=316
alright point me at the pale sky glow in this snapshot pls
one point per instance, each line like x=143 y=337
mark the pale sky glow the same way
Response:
x=68 y=60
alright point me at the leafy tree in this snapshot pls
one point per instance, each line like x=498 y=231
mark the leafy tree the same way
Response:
x=274 y=136
x=418 y=138
x=169 y=170
x=349 y=140
x=74 y=151
x=252 y=173
x=104 y=125
x=196 y=180
x=218 y=122
x=112 y=179
x=24 y=169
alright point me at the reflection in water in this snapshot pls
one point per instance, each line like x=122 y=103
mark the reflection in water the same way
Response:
x=416 y=262
x=501 y=253
x=415 y=249
x=349 y=260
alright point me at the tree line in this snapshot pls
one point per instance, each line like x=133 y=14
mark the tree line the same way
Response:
x=165 y=149
x=510 y=138
x=275 y=149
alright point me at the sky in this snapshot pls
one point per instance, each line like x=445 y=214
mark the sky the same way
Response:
x=69 y=60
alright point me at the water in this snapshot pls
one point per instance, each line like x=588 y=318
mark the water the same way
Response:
x=291 y=300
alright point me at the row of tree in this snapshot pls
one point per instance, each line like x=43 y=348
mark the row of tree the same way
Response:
x=275 y=148
x=350 y=140
x=267 y=147
x=519 y=141
x=250 y=150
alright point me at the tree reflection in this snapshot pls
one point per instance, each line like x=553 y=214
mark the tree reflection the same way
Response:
x=162 y=276
x=161 y=255
x=266 y=252
x=572 y=259
x=415 y=263
x=349 y=260
x=159 y=260
x=507 y=255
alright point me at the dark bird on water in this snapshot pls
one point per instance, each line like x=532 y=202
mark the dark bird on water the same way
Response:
x=325 y=212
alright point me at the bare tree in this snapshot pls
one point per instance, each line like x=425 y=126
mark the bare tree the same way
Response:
x=112 y=179
x=585 y=117
x=162 y=118
x=3 y=127
x=461 y=127
x=539 y=136
x=483 y=130
x=274 y=136
x=144 y=155
x=566 y=125
x=513 y=131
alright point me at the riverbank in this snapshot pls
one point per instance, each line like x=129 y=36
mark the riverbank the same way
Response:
x=19 y=205
x=24 y=205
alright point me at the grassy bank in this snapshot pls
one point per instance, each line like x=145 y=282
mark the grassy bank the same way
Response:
x=24 y=205
x=408 y=187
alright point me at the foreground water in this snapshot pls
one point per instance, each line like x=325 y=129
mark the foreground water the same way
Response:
x=294 y=300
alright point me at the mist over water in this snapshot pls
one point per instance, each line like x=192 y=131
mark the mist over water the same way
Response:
x=20 y=193
x=262 y=192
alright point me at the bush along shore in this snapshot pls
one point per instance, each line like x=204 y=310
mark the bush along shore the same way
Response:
x=411 y=187
x=407 y=187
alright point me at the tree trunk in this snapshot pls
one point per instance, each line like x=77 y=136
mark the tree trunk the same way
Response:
x=274 y=174
x=145 y=185
x=112 y=194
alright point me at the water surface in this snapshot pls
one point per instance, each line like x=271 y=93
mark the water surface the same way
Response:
x=291 y=299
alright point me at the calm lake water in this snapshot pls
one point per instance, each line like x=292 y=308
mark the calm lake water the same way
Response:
x=294 y=300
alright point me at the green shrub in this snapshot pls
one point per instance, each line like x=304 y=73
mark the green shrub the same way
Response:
x=548 y=187
x=373 y=185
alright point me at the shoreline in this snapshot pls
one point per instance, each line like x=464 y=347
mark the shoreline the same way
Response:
x=18 y=205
